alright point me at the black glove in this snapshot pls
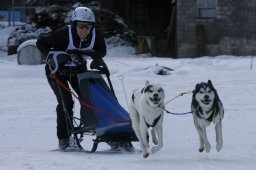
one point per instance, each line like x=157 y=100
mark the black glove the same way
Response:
x=97 y=64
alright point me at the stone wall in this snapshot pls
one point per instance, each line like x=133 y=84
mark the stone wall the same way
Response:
x=186 y=12
x=232 y=32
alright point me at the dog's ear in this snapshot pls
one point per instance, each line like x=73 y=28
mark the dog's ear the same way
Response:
x=142 y=90
x=196 y=87
x=215 y=91
x=161 y=89
x=195 y=90
x=146 y=83
x=194 y=103
x=210 y=84
x=147 y=88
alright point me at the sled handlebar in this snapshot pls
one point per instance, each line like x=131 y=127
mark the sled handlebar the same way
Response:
x=80 y=52
x=104 y=69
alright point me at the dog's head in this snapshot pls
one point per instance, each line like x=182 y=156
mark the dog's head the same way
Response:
x=154 y=94
x=204 y=94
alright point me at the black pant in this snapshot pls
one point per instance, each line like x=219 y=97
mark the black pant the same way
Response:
x=65 y=102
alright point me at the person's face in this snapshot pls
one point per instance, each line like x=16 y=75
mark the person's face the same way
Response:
x=83 y=29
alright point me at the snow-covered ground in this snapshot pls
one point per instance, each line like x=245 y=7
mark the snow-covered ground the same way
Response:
x=28 y=119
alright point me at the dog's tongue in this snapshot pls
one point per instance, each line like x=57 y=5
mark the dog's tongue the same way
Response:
x=155 y=100
x=206 y=101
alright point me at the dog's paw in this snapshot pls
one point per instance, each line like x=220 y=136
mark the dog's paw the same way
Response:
x=207 y=148
x=145 y=155
x=218 y=147
x=155 y=149
x=201 y=149
x=155 y=141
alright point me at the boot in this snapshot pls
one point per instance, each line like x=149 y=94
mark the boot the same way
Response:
x=63 y=143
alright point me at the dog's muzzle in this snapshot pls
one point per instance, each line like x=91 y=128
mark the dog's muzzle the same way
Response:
x=156 y=99
x=206 y=101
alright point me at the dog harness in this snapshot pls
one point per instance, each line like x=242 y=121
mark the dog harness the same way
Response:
x=210 y=119
x=154 y=123
x=133 y=97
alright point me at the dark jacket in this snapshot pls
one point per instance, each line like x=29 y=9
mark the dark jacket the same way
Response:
x=59 y=40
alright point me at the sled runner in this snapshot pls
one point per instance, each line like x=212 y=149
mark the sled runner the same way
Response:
x=101 y=114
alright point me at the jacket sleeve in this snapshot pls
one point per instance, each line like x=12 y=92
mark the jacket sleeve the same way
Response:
x=99 y=49
x=57 y=40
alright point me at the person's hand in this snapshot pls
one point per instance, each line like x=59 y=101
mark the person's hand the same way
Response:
x=97 y=64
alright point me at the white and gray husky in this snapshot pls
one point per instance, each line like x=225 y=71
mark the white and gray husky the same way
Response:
x=146 y=110
x=207 y=107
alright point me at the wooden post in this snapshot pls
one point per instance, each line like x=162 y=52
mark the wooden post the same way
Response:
x=141 y=42
x=200 y=40
x=251 y=62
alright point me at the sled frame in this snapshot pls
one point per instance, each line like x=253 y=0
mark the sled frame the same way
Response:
x=75 y=129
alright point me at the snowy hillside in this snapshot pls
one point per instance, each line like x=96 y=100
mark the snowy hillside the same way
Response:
x=28 y=118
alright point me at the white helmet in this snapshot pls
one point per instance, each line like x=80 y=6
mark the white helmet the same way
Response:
x=83 y=14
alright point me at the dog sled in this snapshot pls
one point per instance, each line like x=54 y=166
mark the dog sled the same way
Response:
x=101 y=115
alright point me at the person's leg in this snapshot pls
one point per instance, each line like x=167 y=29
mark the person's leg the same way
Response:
x=64 y=106
x=74 y=84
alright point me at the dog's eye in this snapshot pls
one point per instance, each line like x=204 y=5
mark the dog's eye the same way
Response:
x=150 y=91
x=160 y=90
x=201 y=92
x=209 y=91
